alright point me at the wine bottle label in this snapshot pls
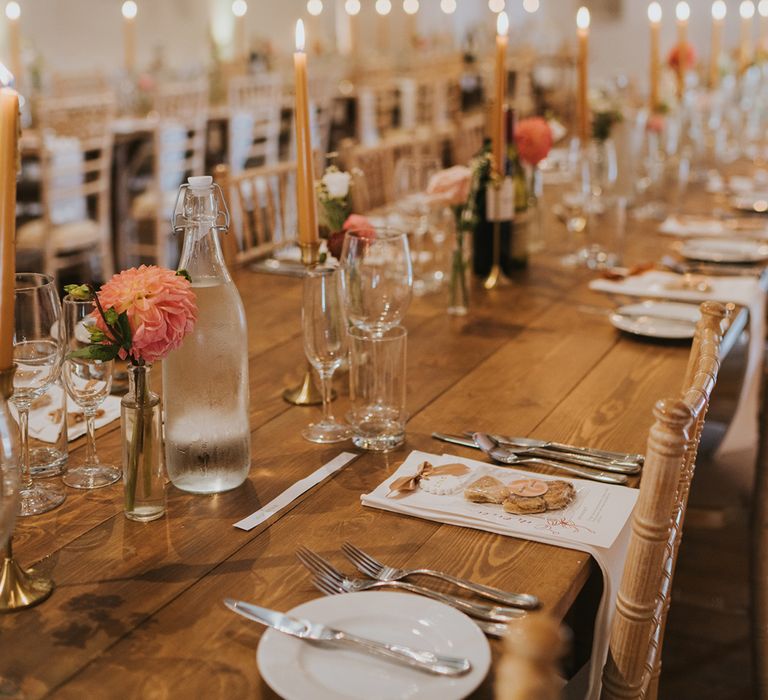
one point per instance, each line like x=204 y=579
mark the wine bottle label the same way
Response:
x=500 y=201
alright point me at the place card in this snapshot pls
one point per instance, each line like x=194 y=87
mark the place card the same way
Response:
x=291 y=494
x=594 y=518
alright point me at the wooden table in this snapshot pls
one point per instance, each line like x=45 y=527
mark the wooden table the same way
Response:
x=137 y=611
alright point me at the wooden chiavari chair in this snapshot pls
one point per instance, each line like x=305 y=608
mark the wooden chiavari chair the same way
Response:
x=634 y=658
x=261 y=202
x=178 y=150
x=77 y=84
x=255 y=103
x=75 y=167
x=528 y=668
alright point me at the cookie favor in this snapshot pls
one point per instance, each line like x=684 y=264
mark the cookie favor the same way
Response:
x=558 y=494
x=486 y=490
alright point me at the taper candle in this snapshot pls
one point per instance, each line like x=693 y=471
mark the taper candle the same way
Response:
x=747 y=13
x=129 y=12
x=497 y=131
x=13 y=14
x=582 y=26
x=654 y=17
x=305 y=179
x=9 y=135
x=683 y=14
x=719 y=10
x=239 y=9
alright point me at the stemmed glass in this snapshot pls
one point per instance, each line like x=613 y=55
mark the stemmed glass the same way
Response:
x=325 y=345
x=9 y=472
x=37 y=352
x=88 y=383
x=377 y=278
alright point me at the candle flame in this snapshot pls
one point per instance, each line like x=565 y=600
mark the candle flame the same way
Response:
x=654 y=12
x=300 y=35
x=747 y=9
x=719 y=10
x=13 y=10
x=502 y=24
x=683 y=11
x=582 y=18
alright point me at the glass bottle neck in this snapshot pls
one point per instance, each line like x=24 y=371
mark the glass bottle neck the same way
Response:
x=201 y=255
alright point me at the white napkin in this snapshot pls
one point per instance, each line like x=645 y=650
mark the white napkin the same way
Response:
x=44 y=424
x=739 y=445
x=597 y=522
x=672 y=226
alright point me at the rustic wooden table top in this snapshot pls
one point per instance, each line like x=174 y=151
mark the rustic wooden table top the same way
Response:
x=137 y=610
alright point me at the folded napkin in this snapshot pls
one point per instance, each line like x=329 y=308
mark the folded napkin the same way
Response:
x=45 y=419
x=690 y=226
x=739 y=445
x=596 y=522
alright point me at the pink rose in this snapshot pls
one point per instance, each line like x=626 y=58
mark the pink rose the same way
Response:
x=533 y=138
x=451 y=186
x=160 y=305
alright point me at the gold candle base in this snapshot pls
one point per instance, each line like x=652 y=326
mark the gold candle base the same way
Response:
x=310 y=253
x=496 y=277
x=19 y=588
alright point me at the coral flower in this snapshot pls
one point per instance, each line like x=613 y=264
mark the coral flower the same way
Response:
x=355 y=222
x=688 y=53
x=533 y=138
x=160 y=306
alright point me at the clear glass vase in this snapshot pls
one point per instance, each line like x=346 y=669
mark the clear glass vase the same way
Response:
x=143 y=473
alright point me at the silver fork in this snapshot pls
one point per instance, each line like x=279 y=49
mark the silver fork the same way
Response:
x=323 y=569
x=375 y=569
x=492 y=629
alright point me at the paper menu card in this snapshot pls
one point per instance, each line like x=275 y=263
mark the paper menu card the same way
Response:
x=594 y=518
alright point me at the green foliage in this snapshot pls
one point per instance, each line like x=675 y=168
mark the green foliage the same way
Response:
x=81 y=292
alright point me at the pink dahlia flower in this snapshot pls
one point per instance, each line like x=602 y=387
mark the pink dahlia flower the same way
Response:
x=161 y=309
x=533 y=138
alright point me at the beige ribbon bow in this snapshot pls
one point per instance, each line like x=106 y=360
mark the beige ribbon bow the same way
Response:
x=410 y=483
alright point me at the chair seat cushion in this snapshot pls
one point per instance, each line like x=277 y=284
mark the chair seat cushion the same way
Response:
x=144 y=206
x=71 y=236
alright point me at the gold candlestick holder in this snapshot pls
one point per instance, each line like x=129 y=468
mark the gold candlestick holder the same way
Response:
x=496 y=277
x=19 y=588
x=306 y=392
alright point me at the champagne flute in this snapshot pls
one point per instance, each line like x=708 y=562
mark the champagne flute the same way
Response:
x=377 y=278
x=88 y=383
x=325 y=345
x=37 y=352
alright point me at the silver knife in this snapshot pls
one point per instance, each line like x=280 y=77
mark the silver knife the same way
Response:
x=420 y=659
x=619 y=458
x=523 y=452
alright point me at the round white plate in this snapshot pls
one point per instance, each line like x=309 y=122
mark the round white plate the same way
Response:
x=657 y=319
x=733 y=250
x=299 y=670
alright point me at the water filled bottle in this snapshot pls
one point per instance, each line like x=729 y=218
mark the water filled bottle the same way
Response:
x=205 y=381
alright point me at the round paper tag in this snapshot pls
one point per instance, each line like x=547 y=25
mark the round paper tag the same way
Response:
x=528 y=487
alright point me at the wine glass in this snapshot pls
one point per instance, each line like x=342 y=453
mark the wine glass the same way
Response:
x=88 y=383
x=325 y=345
x=37 y=352
x=377 y=278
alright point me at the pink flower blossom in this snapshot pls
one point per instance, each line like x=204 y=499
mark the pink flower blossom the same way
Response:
x=688 y=53
x=533 y=138
x=355 y=222
x=655 y=123
x=160 y=305
x=451 y=186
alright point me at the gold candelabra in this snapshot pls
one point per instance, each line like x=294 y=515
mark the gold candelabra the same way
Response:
x=19 y=588
x=496 y=276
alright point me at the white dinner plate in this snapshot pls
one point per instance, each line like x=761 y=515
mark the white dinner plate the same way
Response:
x=299 y=670
x=730 y=250
x=657 y=319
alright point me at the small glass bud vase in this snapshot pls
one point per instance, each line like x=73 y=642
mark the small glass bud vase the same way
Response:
x=458 y=284
x=143 y=473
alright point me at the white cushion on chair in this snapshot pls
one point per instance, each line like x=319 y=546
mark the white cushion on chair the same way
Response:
x=71 y=236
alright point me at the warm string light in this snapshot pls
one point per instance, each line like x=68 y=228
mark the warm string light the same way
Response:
x=496 y=6
x=410 y=7
x=531 y=6
x=383 y=7
x=352 y=7
x=654 y=12
x=239 y=8
x=762 y=8
x=747 y=9
x=314 y=7
x=720 y=9
x=682 y=11
x=449 y=6
x=13 y=10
